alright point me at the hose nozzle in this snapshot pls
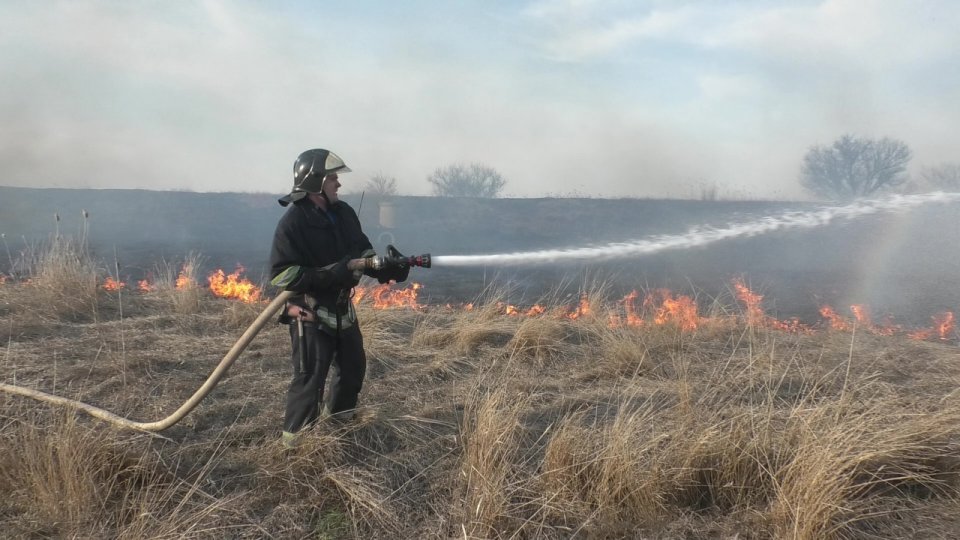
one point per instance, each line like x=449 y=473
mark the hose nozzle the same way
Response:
x=422 y=261
x=379 y=262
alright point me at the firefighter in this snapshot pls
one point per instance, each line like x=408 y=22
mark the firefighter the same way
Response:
x=320 y=251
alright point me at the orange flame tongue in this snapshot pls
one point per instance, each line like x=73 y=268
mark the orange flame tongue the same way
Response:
x=145 y=286
x=629 y=301
x=535 y=310
x=233 y=286
x=111 y=284
x=862 y=316
x=383 y=296
x=752 y=301
x=184 y=281
x=582 y=310
x=681 y=310
x=943 y=324
x=836 y=321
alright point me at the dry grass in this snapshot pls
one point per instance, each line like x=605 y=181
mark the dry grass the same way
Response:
x=64 y=281
x=180 y=284
x=66 y=478
x=491 y=435
x=480 y=425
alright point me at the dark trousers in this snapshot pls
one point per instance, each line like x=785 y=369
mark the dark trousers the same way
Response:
x=305 y=393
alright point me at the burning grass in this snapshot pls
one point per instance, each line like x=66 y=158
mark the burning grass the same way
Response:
x=641 y=416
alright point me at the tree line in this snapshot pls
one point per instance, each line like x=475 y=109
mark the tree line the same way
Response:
x=851 y=167
x=855 y=167
x=457 y=180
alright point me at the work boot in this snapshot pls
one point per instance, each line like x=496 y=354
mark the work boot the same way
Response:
x=290 y=440
x=341 y=417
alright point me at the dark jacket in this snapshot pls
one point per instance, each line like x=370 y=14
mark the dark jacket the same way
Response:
x=308 y=246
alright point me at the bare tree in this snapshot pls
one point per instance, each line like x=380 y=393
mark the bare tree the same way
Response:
x=855 y=167
x=379 y=185
x=945 y=176
x=474 y=180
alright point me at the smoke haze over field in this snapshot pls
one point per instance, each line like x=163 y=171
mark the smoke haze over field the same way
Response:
x=602 y=98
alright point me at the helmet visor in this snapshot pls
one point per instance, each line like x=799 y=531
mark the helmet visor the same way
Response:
x=334 y=164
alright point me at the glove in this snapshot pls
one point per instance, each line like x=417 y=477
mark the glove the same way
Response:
x=395 y=272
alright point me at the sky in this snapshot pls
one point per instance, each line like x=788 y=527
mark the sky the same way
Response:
x=599 y=98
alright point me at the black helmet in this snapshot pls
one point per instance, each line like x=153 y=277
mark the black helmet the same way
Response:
x=309 y=171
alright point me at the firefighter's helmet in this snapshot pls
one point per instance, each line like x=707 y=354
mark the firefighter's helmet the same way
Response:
x=310 y=170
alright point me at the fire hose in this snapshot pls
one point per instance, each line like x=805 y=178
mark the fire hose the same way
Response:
x=218 y=372
x=189 y=404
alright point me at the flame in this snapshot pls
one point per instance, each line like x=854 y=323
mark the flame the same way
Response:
x=111 y=284
x=792 y=325
x=757 y=317
x=862 y=316
x=535 y=310
x=582 y=310
x=384 y=296
x=660 y=307
x=665 y=309
x=145 y=286
x=233 y=286
x=752 y=301
x=943 y=324
x=836 y=321
x=184 y=281
x=633 y=319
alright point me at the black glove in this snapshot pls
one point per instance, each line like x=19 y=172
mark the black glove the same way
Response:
x=395 y=272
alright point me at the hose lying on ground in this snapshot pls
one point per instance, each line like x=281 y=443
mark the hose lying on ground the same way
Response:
x=188 y=405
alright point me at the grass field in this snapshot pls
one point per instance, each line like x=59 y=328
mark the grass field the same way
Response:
x=473 y=423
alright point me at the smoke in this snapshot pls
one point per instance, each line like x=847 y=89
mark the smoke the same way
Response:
x=563 y=98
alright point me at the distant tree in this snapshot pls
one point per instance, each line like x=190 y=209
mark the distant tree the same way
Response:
x=855 y=167
x=379 y=185
x=474 y=180
x=945 y=176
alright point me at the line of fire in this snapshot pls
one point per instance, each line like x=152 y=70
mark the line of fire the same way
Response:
x=635 y=309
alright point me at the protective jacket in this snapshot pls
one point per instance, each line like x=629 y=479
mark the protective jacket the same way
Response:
x=309 y=256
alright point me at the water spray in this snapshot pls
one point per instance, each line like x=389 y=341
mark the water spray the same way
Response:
x=701 y=236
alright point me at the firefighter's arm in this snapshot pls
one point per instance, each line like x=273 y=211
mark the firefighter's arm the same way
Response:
x=303 y=279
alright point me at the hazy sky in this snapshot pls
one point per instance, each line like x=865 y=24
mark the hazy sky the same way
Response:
x=601 y=98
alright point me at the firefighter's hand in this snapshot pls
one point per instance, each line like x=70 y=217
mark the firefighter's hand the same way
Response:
x=294 y=311
x=396 y=273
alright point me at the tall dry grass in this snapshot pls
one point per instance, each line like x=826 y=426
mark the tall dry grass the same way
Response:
x=180 y=284
x=478 y=424
x=64 y=280
x=69 y=479
x=491 y=435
